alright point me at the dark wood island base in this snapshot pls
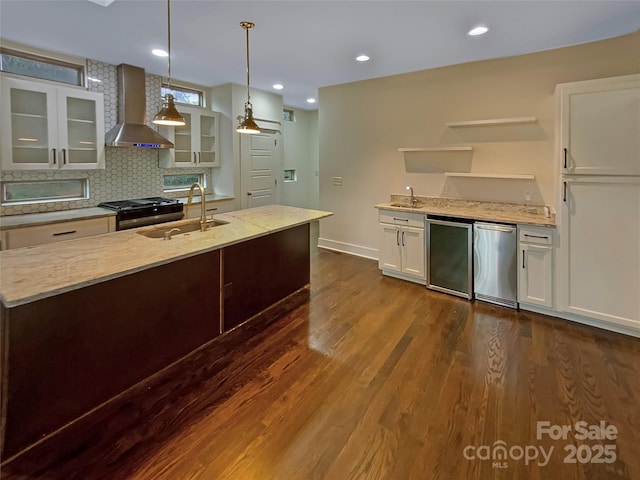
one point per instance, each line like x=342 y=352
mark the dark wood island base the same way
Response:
x=67 y=355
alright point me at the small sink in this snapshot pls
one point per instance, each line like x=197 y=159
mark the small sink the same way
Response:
x=185 y=227
x=405 y=205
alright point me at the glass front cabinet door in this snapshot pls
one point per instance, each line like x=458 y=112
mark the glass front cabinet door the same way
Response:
x=196 y=143
x=47 y=127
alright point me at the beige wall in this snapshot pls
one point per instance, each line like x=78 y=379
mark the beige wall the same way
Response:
x=301 y=153
x=361 y=126
x=229 y=100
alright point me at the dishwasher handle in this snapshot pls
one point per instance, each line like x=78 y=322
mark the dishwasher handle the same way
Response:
x=495 y=228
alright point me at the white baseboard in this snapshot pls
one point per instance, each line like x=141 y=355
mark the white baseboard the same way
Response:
x=634 y=332
x=350 y=248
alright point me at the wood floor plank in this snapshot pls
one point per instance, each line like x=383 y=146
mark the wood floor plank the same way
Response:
x=363 y=376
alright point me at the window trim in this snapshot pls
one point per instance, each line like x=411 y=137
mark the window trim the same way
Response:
x=293 y=175
x=202 y=181
x=8 y=202
x=290 y=112
x=200 y=93
x=80 y=68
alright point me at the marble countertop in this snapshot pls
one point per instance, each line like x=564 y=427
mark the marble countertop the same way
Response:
x=32 y=219
x=540 y=215
x=33 y=273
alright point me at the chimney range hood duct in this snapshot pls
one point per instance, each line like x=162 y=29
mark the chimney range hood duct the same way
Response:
x=131 y=130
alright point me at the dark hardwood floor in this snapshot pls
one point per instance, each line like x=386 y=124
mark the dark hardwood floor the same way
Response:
x=367 y=377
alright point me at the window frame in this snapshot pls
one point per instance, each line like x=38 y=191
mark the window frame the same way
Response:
x=293 y=177
x=290 y=113
x=84 y=195
x=202 y=181
x=180 y=88
x=80 y=69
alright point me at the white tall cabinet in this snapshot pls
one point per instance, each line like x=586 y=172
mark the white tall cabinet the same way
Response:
x=49 y=127
x=599 y=214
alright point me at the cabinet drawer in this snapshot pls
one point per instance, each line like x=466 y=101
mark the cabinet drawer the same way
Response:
x=56 y=232
x=401 y=218
x=538 y=236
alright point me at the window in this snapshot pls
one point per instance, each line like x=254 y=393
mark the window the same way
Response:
x=40 y=67
x=179 y=183
x=287 y=115
x=290 y=176
x=184 y=95
x=45 y=191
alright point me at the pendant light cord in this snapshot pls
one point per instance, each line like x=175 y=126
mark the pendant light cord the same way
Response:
x=248 y=70
x=248 y=26
x=169 y=39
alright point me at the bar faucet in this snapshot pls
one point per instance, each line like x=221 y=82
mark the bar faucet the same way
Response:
x=413 y=199
x=203 y=207
x=167 y=235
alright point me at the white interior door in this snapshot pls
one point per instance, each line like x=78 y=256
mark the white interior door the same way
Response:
x=260 y=158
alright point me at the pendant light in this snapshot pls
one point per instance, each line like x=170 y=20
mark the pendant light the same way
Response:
x=248 y=125
x=168 y=114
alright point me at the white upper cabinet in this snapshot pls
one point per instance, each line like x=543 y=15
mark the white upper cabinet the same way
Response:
x=196 y=143
x=600 y=119
x=48 y=127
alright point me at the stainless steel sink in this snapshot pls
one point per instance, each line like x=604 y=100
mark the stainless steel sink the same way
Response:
x=405 y=205
x=176 y=229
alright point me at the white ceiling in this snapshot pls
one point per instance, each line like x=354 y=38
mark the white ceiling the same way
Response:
x=307 y=44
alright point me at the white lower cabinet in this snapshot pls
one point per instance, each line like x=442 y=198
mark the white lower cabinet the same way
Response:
x=402 y=246
x=56 y=232
x=535 y=266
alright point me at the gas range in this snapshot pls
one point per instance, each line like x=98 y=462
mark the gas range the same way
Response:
x=139 y=212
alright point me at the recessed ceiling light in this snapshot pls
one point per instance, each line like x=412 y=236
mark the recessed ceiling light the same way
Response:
x=278 y=86
x=311 y=100
x=159 y=52
x=362 y=58
x=479 y=30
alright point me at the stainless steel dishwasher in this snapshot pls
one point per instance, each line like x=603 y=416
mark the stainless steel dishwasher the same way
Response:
x=449 y=255
x=495 y=263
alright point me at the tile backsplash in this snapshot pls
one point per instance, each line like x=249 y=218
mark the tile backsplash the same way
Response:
x=129 y=172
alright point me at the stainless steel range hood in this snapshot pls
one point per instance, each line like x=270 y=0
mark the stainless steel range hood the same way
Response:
x=131 y=130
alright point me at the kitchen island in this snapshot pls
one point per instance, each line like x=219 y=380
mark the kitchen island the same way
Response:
x=84 y=320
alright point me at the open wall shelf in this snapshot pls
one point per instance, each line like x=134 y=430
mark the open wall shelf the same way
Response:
x=491 y=175
x=492 y=122
x=435 y=149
